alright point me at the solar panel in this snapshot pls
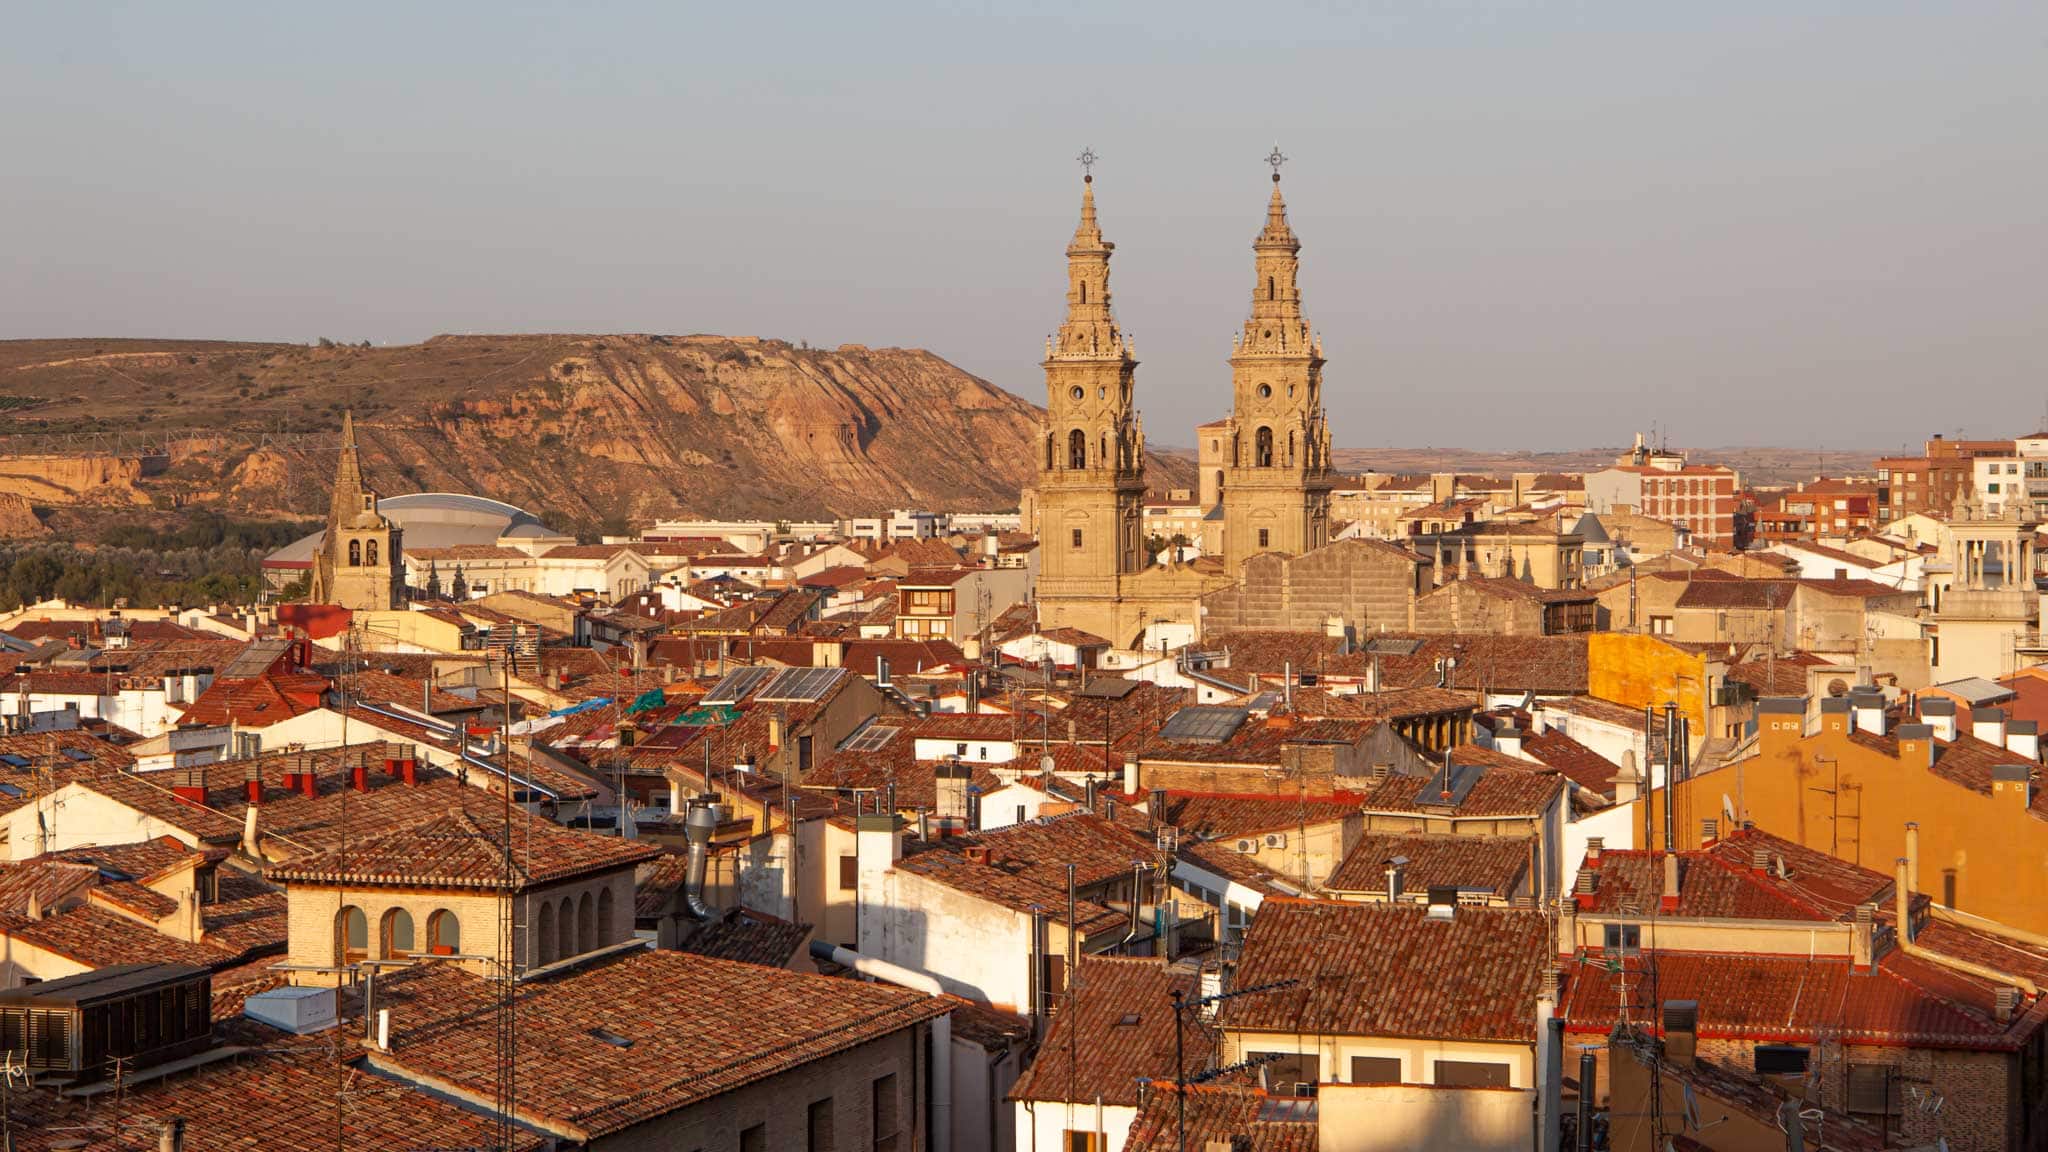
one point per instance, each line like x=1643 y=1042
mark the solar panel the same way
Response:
x=255 y=660
x=13 y=761
x=1393 y=647
x=872 y=738
x=803 y=685
x=1449 y=785
x=1203 y=724
x=737 y=684
x=11 y=792
x=78 y=755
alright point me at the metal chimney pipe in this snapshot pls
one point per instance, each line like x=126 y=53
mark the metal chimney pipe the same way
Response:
x=697 y=829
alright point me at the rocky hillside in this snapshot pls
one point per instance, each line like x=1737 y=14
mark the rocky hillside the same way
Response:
x=580 y=429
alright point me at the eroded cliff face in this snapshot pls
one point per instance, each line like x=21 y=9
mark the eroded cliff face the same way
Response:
x=579 y=428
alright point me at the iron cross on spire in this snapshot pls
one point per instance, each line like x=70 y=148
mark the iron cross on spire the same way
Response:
x=1276 y=160
x=1087 y=159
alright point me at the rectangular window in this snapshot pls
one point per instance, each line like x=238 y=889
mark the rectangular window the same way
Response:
x=1470 y=1074
x=754 y=1139
x=1265 y=537
x=884 y=1113
x=1660 y=626
x=1083 y=1141
x=818 y=1126
x=1290 y=1073
x=1780 y=1060
x=1375 y=1069
x=849 y=872
x=1624 y=939
x=1874 y=1089
x=1077 y=537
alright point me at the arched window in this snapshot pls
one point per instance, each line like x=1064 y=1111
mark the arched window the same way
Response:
x=1272 y=292
x=605 y=932
x=370 y=553
x=444 y=933
x=1077 y=449
x=546 y=933
x=1048 y=452
x=1084 y=291
x=352 y=935
x=566 y=946
x=1103 y=458
x=1262 y=448
x=399 y=943
x=1290 y=449
x=586 y=922
x=355 y=553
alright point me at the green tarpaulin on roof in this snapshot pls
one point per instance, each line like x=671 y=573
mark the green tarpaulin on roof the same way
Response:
x=717 y=714
x=652 y=698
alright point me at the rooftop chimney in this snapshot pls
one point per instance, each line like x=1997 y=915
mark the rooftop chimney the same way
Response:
x=1939 y=713
x=2013 y=781
x=1681 y=1031
x=1988 y=725
x=1916 y=745
x=170 y=1135
x=1594 y=846
x=1863 y=938
x=1397 y=870
x=2023 y=738
x=1670 y=902
x=1585 y=889
x=1507 y=741
x=1868 y=707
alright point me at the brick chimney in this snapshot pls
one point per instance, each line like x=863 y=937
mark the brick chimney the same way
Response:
x=1670 y=899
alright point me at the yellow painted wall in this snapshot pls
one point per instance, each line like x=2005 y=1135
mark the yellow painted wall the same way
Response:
x=1638 y=671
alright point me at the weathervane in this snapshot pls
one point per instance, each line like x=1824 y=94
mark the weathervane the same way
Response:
x=1276 y=160
x=1087 y=159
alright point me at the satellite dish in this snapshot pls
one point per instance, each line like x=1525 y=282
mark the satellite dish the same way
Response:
x=1728 y=811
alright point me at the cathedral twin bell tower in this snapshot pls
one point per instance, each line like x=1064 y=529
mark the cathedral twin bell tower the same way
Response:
x=1275 y=475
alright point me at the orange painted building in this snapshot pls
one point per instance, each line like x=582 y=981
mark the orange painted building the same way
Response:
x=1856 y=789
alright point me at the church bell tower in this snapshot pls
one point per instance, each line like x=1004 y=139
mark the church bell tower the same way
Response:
x=1091 y=482
x=1276 y=474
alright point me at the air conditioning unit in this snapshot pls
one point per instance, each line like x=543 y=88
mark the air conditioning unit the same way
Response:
x=1276 y=839
x=1247 y=846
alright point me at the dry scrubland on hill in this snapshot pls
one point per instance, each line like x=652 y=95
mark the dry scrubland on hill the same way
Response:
x=581 y=428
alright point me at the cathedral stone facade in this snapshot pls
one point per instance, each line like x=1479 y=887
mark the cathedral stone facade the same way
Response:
x=1265 y=470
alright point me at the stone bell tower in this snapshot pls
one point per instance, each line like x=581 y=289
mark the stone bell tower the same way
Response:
x=359 y=566
x=1276 y=474
x=1091 y=478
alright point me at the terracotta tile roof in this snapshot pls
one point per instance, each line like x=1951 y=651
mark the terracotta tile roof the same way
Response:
x=460 y=850
x=1223 y=1113
x=1738 y=594
x=1501 y=787
x=1257 y=741
x=921 y=553
x=144 y=860
x=1224 y=860
x=1027 y=864
x=258 y=701
x=694 y=1028
x=52 y=882
x=1578 y=763
x=1395 y=704
x=915 y=781
x=656 y=881
x=1720 y=882
x=1219 y=816
x=1391 y=970
x=1119 y=1030
x=140 y=795
x=1496 y=864
x=749 y=937
x=1904 y=1000
x=1549 y=664
x=96 y=937
x=129 y=896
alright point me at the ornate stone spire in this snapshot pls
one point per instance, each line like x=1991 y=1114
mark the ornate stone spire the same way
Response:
x=1276 y=325
x=1090 y=330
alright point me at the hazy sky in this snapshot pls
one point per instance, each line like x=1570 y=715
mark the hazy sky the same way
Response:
x=1525 y=225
